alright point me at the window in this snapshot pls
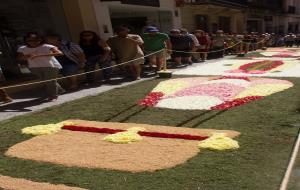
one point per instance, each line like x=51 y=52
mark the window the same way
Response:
x=292 y=9
x=153 y=3
x=201 y=22
x=225 y=24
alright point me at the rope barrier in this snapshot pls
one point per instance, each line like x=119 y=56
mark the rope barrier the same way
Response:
x=264 y=40
x=240 y=42
x=207 y=51
x=80 y=74
x=117 y=65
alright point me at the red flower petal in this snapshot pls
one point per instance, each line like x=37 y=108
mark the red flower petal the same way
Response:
x=236 y=102
x=234 y=77
x=272 y=65
x=142 y=133
x=151 y=99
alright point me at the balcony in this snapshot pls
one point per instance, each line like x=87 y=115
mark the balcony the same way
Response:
x=152 y=3
x=271 y=5
x=227 y=3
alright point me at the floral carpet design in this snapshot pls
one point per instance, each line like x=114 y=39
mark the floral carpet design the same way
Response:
x=202 y=93
x=256 y=66
x=119 y=146
x=281 y=52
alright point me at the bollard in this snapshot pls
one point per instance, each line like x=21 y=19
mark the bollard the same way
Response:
x=165 y=73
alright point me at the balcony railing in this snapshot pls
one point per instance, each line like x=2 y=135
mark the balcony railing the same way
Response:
x=271 y=5
x=153 y=3
x=236 y=3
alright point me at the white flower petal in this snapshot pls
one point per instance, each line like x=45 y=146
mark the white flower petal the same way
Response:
x=190 y=102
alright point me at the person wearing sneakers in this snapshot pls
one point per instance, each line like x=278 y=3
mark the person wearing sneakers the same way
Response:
x=3 y=95
x=155 y=41
x=41 y=61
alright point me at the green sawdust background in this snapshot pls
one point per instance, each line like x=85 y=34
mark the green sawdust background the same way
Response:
x=266 y=143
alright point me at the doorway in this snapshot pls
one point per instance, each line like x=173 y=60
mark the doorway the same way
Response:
x=254 y=26
x=201 y=22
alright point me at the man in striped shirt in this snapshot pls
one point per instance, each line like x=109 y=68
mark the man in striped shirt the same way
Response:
x=72 y=60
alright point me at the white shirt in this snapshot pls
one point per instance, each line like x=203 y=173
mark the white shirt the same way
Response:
x=45 y=61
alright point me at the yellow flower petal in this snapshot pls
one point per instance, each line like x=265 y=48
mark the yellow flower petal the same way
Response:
x=170 y=87
x=263 y=90
x=45 y=129
x=131 y=135
x=219 y=141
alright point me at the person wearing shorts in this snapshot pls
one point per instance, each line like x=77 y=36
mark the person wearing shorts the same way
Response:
x=155 y=41
x=72 y=60
x=204 y=44
x=127 y=50
x=218 y=44
x=181 y=46
x=195 y=44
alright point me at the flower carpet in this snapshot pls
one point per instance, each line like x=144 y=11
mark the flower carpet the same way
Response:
x=130 y=146
x=86 y=144
x=203 y=93
x=280 y=52
x=10 y=183
x=262 y=67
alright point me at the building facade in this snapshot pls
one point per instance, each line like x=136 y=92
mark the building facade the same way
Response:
x=265 y=16
x=69 y=17
x=273 y=16
x=136 y=14
x=291 y=9
x=210 y=15
x=18 y=17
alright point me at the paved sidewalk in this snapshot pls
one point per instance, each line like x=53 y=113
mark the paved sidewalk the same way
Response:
x=30 y=101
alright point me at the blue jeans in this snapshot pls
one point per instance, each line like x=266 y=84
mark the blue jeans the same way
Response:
x=91 y=66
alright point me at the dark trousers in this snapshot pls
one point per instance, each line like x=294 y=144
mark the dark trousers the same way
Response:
x=289 y=43
x=91 y=66
x=218 y=52
x=3 y=95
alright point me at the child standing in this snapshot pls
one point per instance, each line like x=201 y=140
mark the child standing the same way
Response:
x=41 y=61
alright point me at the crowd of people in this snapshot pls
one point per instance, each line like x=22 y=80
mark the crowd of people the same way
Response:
x=288 y=40
x=50 y=55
